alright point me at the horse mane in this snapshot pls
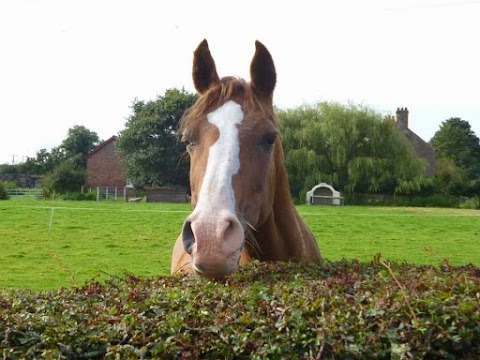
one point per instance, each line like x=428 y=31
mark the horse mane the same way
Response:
x=228 y=88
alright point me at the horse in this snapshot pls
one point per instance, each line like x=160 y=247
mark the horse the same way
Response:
x=240 y=195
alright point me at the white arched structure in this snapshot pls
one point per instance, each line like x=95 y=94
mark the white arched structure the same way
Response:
x=324 y=194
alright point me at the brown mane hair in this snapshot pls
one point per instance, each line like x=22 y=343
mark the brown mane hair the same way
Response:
x=228 y=88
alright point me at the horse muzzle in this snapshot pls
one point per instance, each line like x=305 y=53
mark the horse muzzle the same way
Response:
x=214 y=242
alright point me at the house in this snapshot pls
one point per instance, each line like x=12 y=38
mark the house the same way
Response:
x=424 y=150
x=104 y=167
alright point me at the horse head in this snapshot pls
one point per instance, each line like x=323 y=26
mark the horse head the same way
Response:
x=238 y=178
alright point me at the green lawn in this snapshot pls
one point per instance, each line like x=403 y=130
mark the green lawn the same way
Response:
x=416 y=235
x=46 y=245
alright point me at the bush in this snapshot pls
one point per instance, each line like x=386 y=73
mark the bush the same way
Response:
x=10 y=185
x=338 y=310
x=65 y=178
x=437 y=200
x=470 y=203
x=3 y=192
x=78 y=196
x=90 y=196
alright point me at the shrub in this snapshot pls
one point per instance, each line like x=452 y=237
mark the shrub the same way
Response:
x=437 y=200
x=3 y=192
x=64 y=178
x=90 y=196
x=338 y=310
x=470 y=203
x=10 y=185
x=77 y=196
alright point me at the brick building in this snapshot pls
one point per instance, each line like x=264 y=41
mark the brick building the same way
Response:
x=104 y=168
x=423 y=149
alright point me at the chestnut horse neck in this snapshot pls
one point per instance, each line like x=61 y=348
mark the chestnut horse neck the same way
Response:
x=284 y=235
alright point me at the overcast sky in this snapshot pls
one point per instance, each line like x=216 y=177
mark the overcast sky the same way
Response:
x=66 y=63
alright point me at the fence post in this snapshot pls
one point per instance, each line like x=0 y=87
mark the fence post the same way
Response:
x=50 y=224
x=98 y=193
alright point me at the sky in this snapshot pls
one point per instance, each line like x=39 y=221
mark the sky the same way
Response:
x=66 y=63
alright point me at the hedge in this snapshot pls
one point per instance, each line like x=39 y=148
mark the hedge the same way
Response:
x=336 y=310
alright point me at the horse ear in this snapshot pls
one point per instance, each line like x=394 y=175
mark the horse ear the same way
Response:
x=204 y=71
x=262 y=71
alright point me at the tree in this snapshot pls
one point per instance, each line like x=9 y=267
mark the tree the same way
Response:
x=78 y=143
x=74 y=147
x=458 y=152
x=63 y=166
x=149 y=144
x=9 y=169
x=43 y=162
x=349 y=147
x=450 y=178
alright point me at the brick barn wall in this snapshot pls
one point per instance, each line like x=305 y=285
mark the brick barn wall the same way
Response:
x=104 y=168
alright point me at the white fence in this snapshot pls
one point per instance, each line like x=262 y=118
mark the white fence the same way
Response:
x=102 y=193
x=112 y=193
x=25 y=193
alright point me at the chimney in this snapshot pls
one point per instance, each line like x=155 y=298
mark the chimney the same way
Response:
x=402 y=118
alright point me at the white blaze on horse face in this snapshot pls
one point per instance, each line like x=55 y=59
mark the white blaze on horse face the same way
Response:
x=217 y=192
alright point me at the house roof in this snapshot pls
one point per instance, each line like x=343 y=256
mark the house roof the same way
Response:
x=101 y=146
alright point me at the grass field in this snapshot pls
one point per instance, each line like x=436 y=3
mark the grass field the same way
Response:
x=45 y=245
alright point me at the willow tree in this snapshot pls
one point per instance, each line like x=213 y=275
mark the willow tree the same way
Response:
x=350 y=147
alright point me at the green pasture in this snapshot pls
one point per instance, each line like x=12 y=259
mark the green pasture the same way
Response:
x=45 y=244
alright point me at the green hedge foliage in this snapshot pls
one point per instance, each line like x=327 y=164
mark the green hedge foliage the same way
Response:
x=3 y=192
x=437 y=200
x=337 y=310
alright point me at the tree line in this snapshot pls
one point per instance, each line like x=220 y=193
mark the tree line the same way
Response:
x=63 y=168
x=351 y=147
x=357 y=150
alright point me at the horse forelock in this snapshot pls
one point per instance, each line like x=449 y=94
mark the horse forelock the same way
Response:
x=228 y=88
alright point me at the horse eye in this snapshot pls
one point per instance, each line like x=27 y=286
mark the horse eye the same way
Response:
x=268 y=140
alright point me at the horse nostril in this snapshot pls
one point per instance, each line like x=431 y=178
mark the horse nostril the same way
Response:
x=188 y=237
x=199 y=268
